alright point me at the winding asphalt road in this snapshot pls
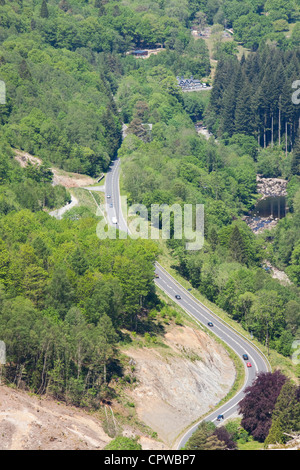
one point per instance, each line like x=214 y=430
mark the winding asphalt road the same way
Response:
x=193 y=307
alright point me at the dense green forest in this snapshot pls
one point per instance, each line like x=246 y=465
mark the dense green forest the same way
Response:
x=253 y=96
x=28 y=188
x=65 y=295
x=188 y=169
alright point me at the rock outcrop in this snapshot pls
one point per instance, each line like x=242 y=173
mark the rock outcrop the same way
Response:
x=271 y=186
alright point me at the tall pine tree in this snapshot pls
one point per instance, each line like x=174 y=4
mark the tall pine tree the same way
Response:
x=286 y=415
x=243 y=112
x=295 y=163
x=44 y=13
x=237 y=246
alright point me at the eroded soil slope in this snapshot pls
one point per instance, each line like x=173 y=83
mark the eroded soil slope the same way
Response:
x=30 y=423
x=178 y=385
x=175 y=385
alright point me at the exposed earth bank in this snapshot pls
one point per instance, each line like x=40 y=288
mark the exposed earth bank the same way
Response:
x=178 y=385
x=175 y=385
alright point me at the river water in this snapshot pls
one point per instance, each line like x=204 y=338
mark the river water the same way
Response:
x=266 y=213
x=273 y=206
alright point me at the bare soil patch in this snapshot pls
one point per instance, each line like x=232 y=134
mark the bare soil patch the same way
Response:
x=64 y=178
x=175 y=386
x=178 y=385
x=30 y=423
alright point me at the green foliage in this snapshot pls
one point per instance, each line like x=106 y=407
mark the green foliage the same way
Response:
x=209 y=437
x=253 y=97
x=237 y=246
x=29 y=188
x=44 y=10
x=123 y=443
x=295 y=163
x=222 y=177
x=65 y=296
x=194 y=105
x=286 y=415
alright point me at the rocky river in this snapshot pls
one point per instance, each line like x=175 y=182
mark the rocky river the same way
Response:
x=270 y=207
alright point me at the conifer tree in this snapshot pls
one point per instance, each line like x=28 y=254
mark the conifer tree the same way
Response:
x=286 y=414
x=257 y=112
x=258 y=89
x=278 y=87
x=243 y=112
x=213 y=238
x=24 y=70
x=44 y=13
x=227 y=121
x=295 y=163
x=237 y=246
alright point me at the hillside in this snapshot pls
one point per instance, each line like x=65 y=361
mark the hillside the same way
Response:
x=84 y=318
x=175 y=385
x=32 y=423
x=178 y=385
